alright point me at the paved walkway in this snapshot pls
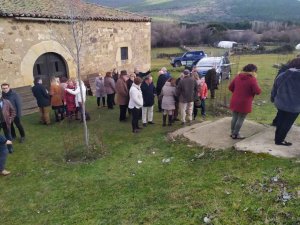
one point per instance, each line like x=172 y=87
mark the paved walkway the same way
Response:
x=260 y=138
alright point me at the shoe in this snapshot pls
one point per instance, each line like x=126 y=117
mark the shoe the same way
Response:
x=135 y=131
x=183 y=123
x=150 y=122
x=144 y=124
x=284 y=143
x=233 y=136
x=4 y=172
x=22 y=139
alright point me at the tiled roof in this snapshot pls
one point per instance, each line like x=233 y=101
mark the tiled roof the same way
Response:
x=61 y=9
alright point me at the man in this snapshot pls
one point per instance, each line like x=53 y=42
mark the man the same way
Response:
x=186 y=91
x=7 y=115
x=164 y=75
x=148 y=91
x=211 y=81
x=285 y=96
x=122 y=94
x=14 y=98
x=43 y=100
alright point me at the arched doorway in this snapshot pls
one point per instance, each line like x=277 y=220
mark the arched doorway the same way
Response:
x=49 y=65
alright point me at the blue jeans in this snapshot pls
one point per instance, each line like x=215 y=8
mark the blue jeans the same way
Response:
x=7 y=134
x=3 y=155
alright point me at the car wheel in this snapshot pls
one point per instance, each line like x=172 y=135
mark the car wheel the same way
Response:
x=177 y=64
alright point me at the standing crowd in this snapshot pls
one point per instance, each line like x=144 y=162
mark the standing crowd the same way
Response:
x=135 y=94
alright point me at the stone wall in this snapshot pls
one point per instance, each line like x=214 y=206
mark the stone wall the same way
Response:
x=22 y=42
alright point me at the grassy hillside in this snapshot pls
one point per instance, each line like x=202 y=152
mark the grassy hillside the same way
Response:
x=212 y=10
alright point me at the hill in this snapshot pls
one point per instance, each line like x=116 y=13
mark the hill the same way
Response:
x=211 y=10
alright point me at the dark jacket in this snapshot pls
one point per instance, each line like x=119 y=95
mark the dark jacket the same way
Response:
x=148 y=92
x=162 y=79
x=243 y=87
x=187 y=89
x=41 y=95
x=211 y=79
x=286 y=91
x=15 y=100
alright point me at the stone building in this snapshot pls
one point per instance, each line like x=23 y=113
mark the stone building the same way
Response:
x=35 y=40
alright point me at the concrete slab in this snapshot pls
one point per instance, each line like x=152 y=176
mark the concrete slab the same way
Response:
x=263 y=142
x=216 y=135
x=185 y=129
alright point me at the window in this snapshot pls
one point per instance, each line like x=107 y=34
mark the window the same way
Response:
x=124 y=53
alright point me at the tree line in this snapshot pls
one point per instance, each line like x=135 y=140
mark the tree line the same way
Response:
x=174 y=34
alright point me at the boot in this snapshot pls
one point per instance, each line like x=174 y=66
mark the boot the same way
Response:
x=164 y=120
x=170 y=120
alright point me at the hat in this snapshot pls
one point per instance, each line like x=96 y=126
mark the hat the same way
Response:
x=186 y=72
x=123 y=72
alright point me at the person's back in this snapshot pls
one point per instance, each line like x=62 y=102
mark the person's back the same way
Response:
x=187 y=88
x=41 y=95
x=244 y=87
x=286 y=91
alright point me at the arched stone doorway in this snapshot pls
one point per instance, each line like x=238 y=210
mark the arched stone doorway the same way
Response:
x=49 y=65
x=39 y=49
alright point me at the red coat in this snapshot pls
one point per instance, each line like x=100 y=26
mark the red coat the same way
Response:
x=243 y=87
x=203 y=91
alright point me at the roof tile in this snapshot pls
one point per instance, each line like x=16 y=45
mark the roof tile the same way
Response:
x=64 y=9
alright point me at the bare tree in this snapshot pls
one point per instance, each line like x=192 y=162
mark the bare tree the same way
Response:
x=75 y=23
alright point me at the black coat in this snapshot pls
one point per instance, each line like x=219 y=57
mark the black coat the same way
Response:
x=148 y=92
x=162 y=79
x=211 y=79
x=15 y=100
x=41 y=95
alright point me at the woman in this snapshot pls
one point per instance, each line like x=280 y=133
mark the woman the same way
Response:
x=56 y=94
x=285 y=95
x=243 y=87
x=110 y=89
x=69 y=100
x=168 y=94
x=197 y=102
x=136 y=103
x=100 y=90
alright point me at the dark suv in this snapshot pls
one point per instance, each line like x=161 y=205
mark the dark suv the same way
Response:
x=188 y=59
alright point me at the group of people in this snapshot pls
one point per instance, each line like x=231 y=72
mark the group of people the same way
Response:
x=285 y=96
x=135 y=93
x=64 y=97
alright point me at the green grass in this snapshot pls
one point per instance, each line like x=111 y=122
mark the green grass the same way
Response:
x=231 y=187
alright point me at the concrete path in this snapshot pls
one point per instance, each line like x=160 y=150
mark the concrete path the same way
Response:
x=260 y=138
x=263 y=142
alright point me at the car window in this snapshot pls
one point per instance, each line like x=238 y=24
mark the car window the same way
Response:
x=209 y=62
x=189 y=55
